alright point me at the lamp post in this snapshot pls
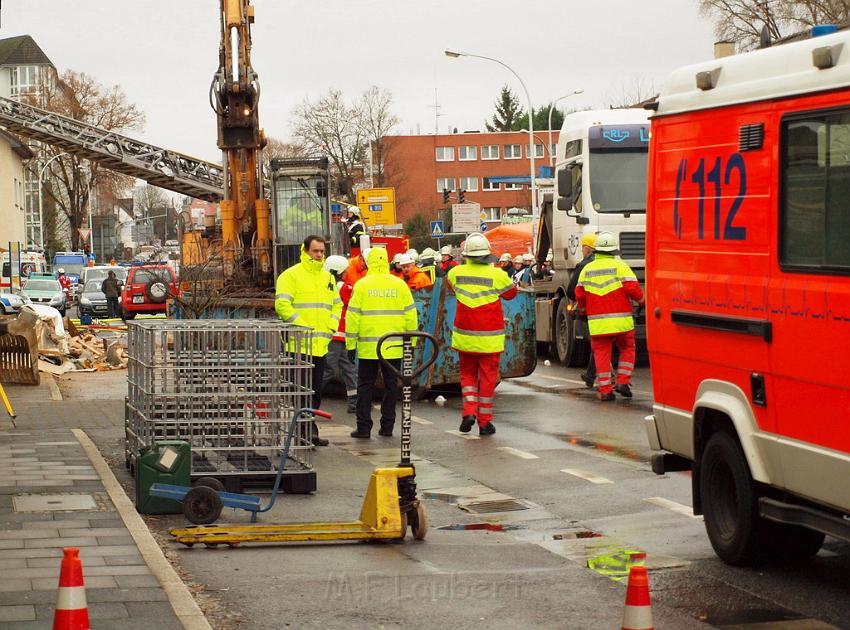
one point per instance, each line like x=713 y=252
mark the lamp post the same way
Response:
x=454 y=55
x=573 y=93
x=536 y=137
x=41 y=200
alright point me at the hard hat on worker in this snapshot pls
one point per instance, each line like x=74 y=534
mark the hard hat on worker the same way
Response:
x=606 y=242
x=60 y=270
x=528 y=258
x=413 y=253
x=427 y=253
x=506 y=257
x=518 y=259
x=354 y=210
x=589 y=240
x=397 y=258
x=476 y=245
x=446 y=250
x=336 y=264
x=404 y=259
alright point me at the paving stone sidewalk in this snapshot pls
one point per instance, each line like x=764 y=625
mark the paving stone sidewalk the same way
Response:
x=41 y=470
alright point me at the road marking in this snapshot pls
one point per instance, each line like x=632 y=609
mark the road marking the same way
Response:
x=686 y=510
x=465 y=436
x=575 y=382
x=419 y=420
x=517 y=452
x=587 y=476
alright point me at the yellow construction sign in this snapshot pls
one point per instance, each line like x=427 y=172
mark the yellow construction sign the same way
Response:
x=377 y=205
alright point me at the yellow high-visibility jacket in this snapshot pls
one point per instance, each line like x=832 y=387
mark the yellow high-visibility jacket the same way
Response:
x=306 y=295
x=380 y=304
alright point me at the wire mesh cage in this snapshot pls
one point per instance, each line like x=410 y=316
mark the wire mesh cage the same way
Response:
x=228 y=387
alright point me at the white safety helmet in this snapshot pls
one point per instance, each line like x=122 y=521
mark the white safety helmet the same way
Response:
x=60 y=270
x=336 y=264
x=476 y=245
x=518 y=259
x=506 y=257
x=528 y=258
x=413 y=253
x=397 y=258
x=354 y=210
x=405 y=259
x=606 y=242
x=427 y=253
x=446 y=250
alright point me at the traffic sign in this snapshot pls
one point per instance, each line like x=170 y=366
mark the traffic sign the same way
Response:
x=466 y=217
x=377 y=205
x=438 y=229
x=84 y=232
x=483 y=226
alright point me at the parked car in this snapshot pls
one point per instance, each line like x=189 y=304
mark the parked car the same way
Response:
x=92 y=301
x=101 y=272
x=146 y=290
x=45 y=291
x=11 y=303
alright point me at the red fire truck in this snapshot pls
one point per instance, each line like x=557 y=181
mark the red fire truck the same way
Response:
x=748 y=282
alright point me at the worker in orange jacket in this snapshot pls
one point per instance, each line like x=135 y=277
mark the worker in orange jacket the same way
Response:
x=414 y=277
x=356 y=268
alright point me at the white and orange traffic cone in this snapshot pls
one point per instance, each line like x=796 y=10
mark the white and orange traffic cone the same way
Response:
x=638 y=611
x=72 y=612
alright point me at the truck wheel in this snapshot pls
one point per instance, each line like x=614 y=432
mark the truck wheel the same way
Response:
x=730 y=502
x=571 y=352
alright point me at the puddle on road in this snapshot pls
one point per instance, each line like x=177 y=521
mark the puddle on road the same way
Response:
x=489 y=527
x=604 y=447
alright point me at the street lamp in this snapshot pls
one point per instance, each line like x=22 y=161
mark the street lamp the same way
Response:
x=536 y=137
x=551 y=107
x=41 y=200
x=454 y=55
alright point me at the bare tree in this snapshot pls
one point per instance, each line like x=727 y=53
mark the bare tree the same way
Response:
x=378 y=121
x=631 y=93
x=150 y=203
x=332 y=127
x=69 y=179
x=278 y=149
x=742 y=21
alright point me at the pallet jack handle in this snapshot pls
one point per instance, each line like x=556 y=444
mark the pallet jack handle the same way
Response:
x=407 y=374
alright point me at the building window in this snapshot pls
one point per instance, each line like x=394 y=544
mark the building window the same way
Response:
x=539 y=150
x=815 y=187
x=487 y=184
x=553 y=148
x=470 y=184
x=492 y=214
x=513 y=151
x=490 y=152
x=25 y=80
x=466 y=154
x=445 y=154
x=445 y=183
x=510 y=186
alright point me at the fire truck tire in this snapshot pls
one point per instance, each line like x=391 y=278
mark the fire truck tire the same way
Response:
x=571 y=352
x=730 y=502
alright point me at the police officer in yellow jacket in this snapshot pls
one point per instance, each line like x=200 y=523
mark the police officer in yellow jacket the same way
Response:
x=306 y=295
x=380 y=303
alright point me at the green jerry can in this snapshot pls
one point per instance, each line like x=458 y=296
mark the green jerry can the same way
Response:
x=168 y=461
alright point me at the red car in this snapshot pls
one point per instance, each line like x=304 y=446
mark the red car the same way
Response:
x=146 y=290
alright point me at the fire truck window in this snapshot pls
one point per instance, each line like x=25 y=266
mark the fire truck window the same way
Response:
x=816 y=192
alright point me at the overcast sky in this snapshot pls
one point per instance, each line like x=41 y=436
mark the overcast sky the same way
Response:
x=163 y=54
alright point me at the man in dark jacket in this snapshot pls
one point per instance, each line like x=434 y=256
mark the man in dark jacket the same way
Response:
x=111 y=291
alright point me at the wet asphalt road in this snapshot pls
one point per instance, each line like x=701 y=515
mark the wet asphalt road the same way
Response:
x=574 y=473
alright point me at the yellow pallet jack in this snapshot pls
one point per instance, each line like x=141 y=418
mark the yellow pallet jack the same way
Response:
x=390 y=504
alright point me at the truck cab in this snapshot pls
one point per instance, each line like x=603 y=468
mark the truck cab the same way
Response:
x=748 y=295
x=600 y=184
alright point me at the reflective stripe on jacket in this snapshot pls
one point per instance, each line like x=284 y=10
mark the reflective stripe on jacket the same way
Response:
x=380 y=304
x=306 y=295
x=479 y=324
x=605 y=287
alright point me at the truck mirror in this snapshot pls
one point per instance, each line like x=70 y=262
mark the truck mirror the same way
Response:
x=565 y=204
x=565 y=186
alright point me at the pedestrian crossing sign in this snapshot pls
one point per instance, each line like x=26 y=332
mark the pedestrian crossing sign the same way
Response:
x=438 y=229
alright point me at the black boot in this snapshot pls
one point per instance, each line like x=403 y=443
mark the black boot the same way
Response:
x=363 y=435
x=605 y=397
x=466 y=424
x=487 y=429
x=624 y=390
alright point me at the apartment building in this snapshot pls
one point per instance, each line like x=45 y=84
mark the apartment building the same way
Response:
x=421 y=167
x=13 y=155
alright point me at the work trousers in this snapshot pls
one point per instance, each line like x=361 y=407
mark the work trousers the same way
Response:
x=367 y=373
x=318 y=377
x=112 y=308
x=337 y=363
x=479 y=374
x=602 y=346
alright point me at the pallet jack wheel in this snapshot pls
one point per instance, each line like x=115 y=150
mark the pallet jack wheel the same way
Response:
x=210 y=482
x=403 y=526
x=202 y=505
x=419 y=522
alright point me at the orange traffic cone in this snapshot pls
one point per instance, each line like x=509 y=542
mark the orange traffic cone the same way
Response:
x=72 y=612
x=638 y=612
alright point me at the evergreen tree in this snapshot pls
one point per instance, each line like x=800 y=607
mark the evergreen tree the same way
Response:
x=541 y=119
x=508 y=112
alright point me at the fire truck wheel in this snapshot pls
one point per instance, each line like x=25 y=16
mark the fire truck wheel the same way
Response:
x=202 y=505
x=730 y=501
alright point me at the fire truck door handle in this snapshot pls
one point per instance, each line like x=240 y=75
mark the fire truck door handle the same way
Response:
x=657 y=313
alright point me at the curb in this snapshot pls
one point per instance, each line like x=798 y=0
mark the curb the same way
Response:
x=55 y=393
x=182 y=602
